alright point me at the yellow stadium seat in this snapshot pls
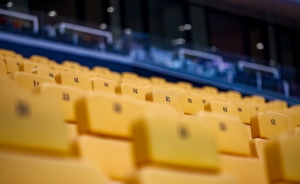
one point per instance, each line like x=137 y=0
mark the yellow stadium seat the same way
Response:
x=75 y=80
x=222 y=108
x=61 y=68
x=229 y=131
x=28 y=66
x=210 y=90
x=113 y=118
x=246 y=169
x=47 y=72
x=65 y=98
x=6 y=52
x=254 y=98
x=276 y=105
x=71 y=64
x=267 y=125
x=258 y=148
x=130 y=75
x=104 y=85
x=157 y=80
x=133 y=90
x=13 y=64
x=283 y=158
x=87 y=73
x=164 y=97
x=158 y=137
x=30 y=123
x=50 y=170
x=244 y=111
x=3 y=69
x=192 y=104
x=184 y=85
x=102 y=70
x=113 y=157
x=65 y=123
x=295 y=107
x=30 y=81
x=162 y=175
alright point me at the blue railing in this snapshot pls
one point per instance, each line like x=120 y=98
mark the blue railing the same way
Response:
x=175 y=57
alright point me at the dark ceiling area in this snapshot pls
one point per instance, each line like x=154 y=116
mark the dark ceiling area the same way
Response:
x=283 y=12
x=267 y=30
x=280 y=12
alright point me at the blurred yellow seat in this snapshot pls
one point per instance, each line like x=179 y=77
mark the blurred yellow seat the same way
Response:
x=13 y=64
x=101 y=70
x=267 y=125
x=210 y=90
x=246 y=169
x=64 y=97
x=184 y=85
x=276 y=105
x=296 y=107
x=113 y=118
x=84 y=69
x=51 y=63
x=283 y=157
x=104 y=85
x=222 y=108
x=293 y=121
x=114 y=76
x=28 y=66
x=244 y=111
x=256 y=107
x=29 y=122
x=61 y=68
x=65 y=123
x=7 y=53
x=192 y=104
x=30 y=81
x=113 y=157
x=157 y=80
x=294 y=113
x=3 y=69
x=234 y=95
x=163 y=97
x=71 y=64
x=258 y=148
x=87 y=73
x=152 y=87
x=254 y=99
x=39 y=59
x=7 y=84
x=129 y=75
x=133 y=90
x=75 y=80
x=163 y=139
x=229 y=131
x=162 y=175
x=50 y=170
x=47 y=72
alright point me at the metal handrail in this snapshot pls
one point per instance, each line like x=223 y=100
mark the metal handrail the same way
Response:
x=200 y=54
x=32 y=18
x=63 y=25
x=258 y=67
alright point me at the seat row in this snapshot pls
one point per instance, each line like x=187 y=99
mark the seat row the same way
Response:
x=132 y=129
